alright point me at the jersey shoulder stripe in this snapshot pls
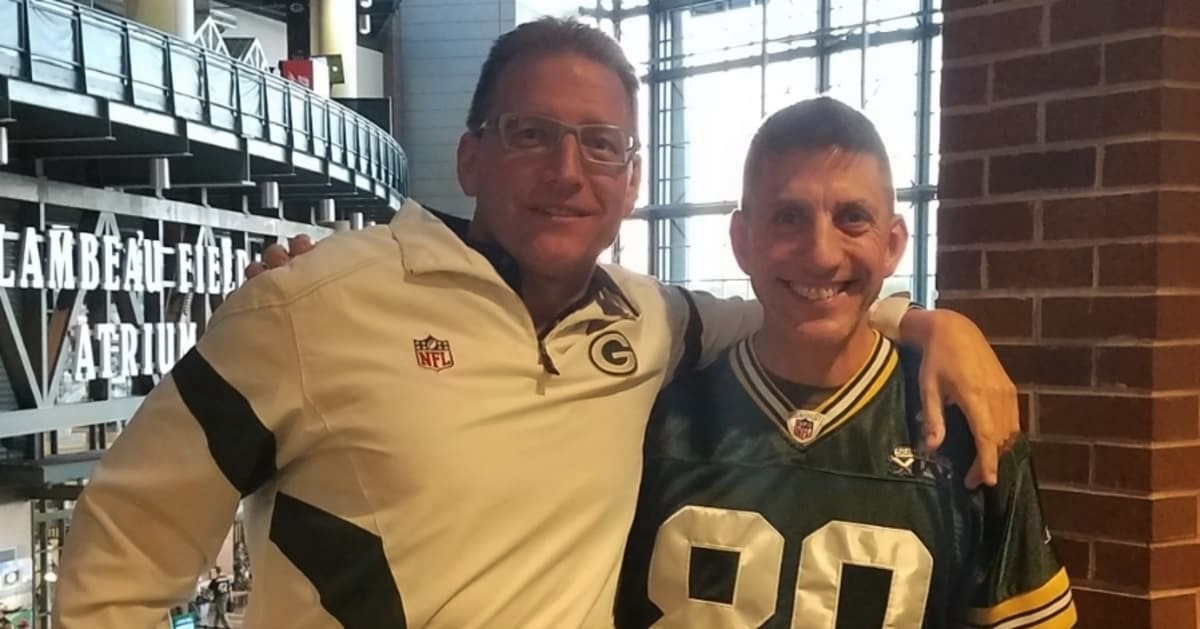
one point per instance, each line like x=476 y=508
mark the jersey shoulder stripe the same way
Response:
x=1047 y=607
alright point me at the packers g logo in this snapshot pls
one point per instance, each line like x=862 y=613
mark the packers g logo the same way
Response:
x=611 y=353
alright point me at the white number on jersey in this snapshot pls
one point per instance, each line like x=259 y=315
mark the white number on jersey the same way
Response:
x=760 y=557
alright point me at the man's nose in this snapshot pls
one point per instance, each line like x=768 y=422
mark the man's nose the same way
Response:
x=820 y=247
x=566 y=165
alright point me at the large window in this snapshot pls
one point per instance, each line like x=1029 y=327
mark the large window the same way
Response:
x=713 y=69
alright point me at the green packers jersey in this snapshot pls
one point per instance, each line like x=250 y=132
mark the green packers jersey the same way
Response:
x=754 y=513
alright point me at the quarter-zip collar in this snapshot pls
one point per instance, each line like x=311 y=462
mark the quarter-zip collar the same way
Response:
x=435 y=242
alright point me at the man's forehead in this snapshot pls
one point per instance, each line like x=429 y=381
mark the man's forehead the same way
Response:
x=814 y=167
x=590 y=90
x=798 y=175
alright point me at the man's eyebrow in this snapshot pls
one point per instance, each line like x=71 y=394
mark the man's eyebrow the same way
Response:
x=799 y=205
x=853 y=204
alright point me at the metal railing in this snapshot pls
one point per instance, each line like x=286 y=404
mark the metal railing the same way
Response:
x=64 y=45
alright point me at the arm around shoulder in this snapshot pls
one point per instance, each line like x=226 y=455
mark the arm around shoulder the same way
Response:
x=704 y=325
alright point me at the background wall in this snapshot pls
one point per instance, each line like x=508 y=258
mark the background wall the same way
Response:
x=1070 y=230
x=273 y=37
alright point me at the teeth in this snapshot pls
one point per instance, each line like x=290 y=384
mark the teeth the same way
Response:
x=559 y=211
x=814 y=294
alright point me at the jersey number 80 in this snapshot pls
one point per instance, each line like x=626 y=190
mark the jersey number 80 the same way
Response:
x=759 y=547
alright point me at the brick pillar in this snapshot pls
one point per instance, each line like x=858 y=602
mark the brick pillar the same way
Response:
x=1069 y=227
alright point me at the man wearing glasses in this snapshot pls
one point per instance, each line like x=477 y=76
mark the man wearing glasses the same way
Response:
x=438 y=423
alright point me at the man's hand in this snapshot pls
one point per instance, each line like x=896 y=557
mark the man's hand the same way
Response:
x=959 y=367
x=276 y=255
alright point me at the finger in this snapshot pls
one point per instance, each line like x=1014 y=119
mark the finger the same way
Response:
x=255 y=269
x=933 y=426
x=987 y=457
x=275 y=256
x=300 y=244
x=1012 y=411
x=987 y=431
x=974 y=476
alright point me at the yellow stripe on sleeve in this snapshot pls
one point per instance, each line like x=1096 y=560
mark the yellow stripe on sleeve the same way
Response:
x=1048 y=607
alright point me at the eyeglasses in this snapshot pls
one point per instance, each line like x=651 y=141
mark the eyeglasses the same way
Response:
x=604 y=144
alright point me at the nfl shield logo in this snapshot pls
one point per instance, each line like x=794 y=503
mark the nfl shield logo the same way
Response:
x=804 y=425
x=433 y=354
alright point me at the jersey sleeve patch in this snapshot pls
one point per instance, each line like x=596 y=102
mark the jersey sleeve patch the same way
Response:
x=1048 y=607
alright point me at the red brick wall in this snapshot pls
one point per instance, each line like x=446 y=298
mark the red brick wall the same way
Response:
x=1069 y=227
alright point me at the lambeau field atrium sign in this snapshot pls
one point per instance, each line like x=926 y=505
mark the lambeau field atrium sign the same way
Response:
x=64 y=259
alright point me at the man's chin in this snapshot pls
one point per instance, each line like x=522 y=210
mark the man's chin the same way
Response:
x=830 y=332
x=558 y=262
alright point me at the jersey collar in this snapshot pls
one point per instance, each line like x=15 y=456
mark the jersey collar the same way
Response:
x=435 y=242
x=804 y=426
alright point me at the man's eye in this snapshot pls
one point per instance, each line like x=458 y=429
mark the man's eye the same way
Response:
x=855 y=217
x=786 y=217
x=532 y=134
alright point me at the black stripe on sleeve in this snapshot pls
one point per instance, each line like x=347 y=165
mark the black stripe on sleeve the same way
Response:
x=243 y=448
x=345 y=563
x=692 y=335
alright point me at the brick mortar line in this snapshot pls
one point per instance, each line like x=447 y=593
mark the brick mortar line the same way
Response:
x=1095 y=343
x=1109 y=587
x=1101 y=40
x=1072 y=145
x=1077 y=93
x=1074 y=537
x=1116 y=342
x=1114 y=492
x=1119 y=443
x=1065 y=194
x=1123 y=392
x=1156 y=594
x=1037 y=323
x=1070 y=243
x=1095 y=585
x=1116 y=291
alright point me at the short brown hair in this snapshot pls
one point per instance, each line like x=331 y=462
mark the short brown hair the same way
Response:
x=813 y=125
x=548 y=35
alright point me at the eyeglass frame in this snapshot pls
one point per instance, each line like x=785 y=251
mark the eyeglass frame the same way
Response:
x=567 y=128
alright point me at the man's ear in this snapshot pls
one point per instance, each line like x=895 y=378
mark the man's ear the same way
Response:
x=739 y=238
x=897 y=242
x=468 y=154
x=635 y=184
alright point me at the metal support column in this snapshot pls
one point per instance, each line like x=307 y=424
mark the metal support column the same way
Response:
x=668 y=163
x=824 y=19
x=922 y=291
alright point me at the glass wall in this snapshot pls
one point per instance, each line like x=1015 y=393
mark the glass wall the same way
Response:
x=713 y=69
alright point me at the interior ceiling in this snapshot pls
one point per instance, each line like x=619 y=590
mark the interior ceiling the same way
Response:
x=276 y=9
x=380 y=11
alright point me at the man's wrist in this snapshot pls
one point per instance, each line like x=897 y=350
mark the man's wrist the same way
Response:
x=887 y=315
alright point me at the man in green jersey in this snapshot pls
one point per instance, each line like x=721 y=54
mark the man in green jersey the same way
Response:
x=784 y=485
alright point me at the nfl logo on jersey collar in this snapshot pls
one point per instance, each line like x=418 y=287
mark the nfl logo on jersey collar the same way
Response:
x=805 y=425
